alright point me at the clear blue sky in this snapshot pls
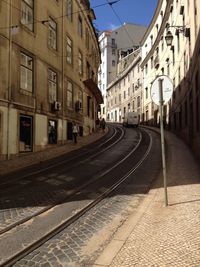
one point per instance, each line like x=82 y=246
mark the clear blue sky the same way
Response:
x=129 y=11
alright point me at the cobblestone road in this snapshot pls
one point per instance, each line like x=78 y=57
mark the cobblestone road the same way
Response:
x=79 y=243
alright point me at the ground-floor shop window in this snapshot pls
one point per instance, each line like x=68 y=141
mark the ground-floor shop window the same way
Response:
x=52 y=132
x=26 y=130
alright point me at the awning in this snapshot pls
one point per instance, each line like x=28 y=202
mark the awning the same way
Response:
x=91 y=85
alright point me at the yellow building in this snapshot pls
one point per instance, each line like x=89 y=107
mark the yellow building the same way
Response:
x=124 y=93
x=171 y=46
x=49 y=57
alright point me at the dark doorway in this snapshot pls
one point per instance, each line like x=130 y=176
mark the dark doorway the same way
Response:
x=81 y=130
x=52 y=132
x=69 y=131
x=26 y=124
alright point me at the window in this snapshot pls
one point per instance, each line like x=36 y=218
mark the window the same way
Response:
x=80 y=63
x=138 y=101
x=162 y=43
x=52 y=81
x=146 y=68
x=178 y=42
x=129 y=91
x=69 y=50
x=146 y=92
x=113 y=51
x=138 y=68
x=69 y=10
x=87 y=39
x=27 y=14
x=173 y=55
x=133 y=105
x=113 y=42
x=80 y=97
x=69 y=94
x=133 y=87
x=52 y=41
x=151 y=37
x=113 y=63
x=26 y=73
x=80 y=26
x=168 y=66
x=152 y=62
x=124 y=94
x=124 y=111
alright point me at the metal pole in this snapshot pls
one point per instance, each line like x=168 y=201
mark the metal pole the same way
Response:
x=160 y=84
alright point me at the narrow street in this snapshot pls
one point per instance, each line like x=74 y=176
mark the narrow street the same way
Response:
x=121 y=171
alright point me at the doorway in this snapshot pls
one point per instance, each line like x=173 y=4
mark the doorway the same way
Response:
x=26 y=129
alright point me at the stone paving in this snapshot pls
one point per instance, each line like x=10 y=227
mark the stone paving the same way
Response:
x=163 y=236
x=77 y=244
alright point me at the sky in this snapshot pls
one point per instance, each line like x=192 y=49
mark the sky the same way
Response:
x=129 y=11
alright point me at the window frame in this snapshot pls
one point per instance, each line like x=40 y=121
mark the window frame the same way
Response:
x=52 y=35
x=80 y=63
x=27 y=70
x=69 y=50
x=27 y=8
x=53 y=95
x=69 y=92
x=69 y=10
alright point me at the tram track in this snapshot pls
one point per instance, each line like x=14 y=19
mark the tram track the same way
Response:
x=81 y=191
x=60 y=160
x=112 y=141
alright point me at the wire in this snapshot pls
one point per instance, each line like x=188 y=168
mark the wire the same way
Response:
x=56 y=18
x=119 y=19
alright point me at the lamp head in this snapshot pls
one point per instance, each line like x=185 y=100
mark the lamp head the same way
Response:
x=169 y=38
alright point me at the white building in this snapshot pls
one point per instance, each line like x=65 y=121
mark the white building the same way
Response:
x=179 y=22
x=114 y=45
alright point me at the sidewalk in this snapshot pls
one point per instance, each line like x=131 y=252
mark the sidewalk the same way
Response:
x=158 y=236
x=29 y=159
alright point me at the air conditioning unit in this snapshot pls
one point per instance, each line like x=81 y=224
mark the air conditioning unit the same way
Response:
x=57 y=105
x=78 y=105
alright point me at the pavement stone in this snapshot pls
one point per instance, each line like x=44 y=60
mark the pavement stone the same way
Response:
x=159 y=236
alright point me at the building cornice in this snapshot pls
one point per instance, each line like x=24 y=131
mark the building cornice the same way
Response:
x=160 y=33
x=153 y=20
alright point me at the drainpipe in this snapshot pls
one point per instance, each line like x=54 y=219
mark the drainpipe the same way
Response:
x=9 y=79
x=63 y=74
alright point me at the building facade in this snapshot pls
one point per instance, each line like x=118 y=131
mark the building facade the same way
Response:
x=171 y=46
x=124 y=93
x=115 y=45
x=49 y=59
